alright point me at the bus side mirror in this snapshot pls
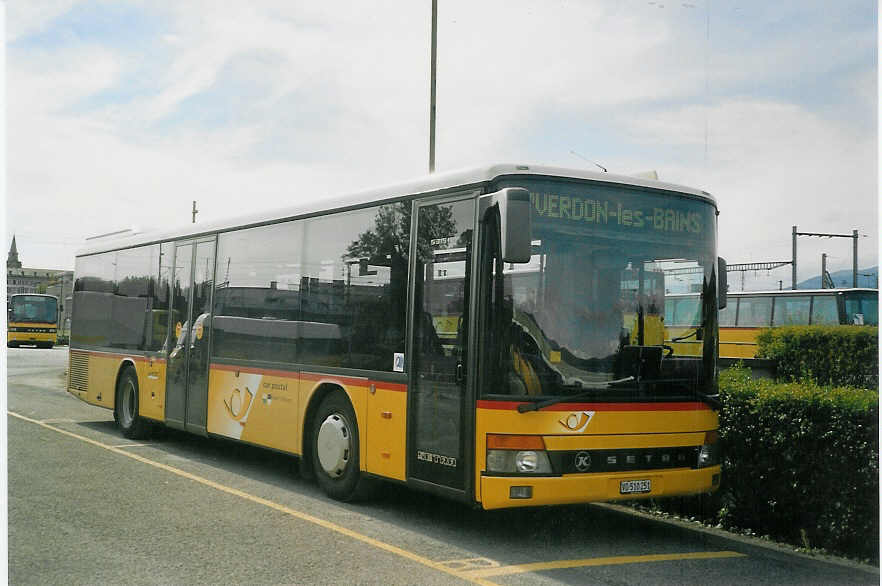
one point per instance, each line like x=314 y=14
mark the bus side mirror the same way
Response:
x=722 y=284
x=514 y=224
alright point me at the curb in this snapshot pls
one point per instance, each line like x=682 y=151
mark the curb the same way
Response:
x=721 y=534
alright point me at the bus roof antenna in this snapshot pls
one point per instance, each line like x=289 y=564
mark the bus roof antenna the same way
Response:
x=109 y=234
x=601 y=167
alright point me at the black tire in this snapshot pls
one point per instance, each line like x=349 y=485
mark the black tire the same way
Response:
x=335 y=450
x=12 y=344
x=125 y=407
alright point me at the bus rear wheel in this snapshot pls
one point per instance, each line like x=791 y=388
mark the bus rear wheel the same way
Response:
x=335 y=450
x=125 y=410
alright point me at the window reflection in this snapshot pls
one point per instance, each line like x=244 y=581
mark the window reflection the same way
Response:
x=329 y=290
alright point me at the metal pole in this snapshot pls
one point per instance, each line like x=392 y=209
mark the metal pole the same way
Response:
x=432 y=96
x=793 y=282
x=854 y=234
x=195 y=211
x=823 y=270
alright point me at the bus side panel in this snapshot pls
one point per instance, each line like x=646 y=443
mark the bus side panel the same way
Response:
x=385 y=435
x=151 y=389
x=738 y=342
x=254 y=405
x=103 y=371
x=597 y=426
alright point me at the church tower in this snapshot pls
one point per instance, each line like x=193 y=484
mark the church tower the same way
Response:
x=12 y=261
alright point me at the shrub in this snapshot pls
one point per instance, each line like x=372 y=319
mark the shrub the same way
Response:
x=801 y=463
x=829 y=355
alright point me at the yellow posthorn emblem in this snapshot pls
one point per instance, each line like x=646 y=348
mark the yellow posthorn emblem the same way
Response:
x=577 y=422
x=237 y=403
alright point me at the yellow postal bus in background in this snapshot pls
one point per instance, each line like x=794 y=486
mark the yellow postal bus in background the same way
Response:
x=748 y=313
x=31 y=319
x=488 y=335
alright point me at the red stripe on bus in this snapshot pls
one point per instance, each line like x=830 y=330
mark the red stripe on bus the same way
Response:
x=314 y=377
x=252 y=370
x=358 y=382
x=135 y=358
x=513 y=405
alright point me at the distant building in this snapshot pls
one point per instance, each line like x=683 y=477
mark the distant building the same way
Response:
x=49 y=281
x=12 y=261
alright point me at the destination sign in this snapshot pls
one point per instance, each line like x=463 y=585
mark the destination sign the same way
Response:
x=612 y=212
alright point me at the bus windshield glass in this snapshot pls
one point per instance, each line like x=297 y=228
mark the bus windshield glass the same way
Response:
x=587 y=313
x=861 y=308
x=33 y=309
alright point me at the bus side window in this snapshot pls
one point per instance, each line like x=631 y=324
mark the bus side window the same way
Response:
x=824 y=311
x=755 y=312
x=727 y=314
x=792 y=311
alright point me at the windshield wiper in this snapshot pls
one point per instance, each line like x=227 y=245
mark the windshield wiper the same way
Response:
x=524 y=407
x=689 y=335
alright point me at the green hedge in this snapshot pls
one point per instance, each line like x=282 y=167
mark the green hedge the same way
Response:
x=829 y=355
x=800 y=465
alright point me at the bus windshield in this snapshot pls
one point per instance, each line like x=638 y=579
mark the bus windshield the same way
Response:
x=33 y=309
x=588 y=310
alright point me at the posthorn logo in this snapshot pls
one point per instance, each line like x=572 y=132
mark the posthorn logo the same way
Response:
x=577 y=422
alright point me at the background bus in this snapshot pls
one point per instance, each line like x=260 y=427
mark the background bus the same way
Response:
x=489 y=335
x=747 y=313
x=31 y=319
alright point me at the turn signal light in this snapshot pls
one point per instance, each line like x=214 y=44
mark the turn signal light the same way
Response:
x=514 y=442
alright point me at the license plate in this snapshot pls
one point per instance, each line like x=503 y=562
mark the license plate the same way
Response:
x=635 y=486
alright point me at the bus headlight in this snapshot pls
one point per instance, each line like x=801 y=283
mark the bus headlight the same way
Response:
x=510 y=454
x=709 y=453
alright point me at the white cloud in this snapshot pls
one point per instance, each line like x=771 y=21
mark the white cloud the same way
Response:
x=337 y=99
x=775 y=165
x=27 y=18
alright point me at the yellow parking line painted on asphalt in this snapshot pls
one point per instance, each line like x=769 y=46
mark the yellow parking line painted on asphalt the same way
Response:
x=609 y=561
x=267 y=503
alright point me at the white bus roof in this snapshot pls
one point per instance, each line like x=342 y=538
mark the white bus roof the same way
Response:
x=426 y=184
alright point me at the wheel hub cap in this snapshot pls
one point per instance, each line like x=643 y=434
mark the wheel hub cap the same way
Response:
x=333 y=445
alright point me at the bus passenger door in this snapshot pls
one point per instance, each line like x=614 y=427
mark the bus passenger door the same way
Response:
x=439 y=411
x=187 y=374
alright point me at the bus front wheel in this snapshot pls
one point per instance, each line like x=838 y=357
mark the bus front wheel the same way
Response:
x=335 y=450
x=125 y=410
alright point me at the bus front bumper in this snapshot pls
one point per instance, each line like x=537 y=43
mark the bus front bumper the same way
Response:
x=503 y=492
x=30 y=337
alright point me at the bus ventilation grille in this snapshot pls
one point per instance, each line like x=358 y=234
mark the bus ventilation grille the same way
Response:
x=79 y=371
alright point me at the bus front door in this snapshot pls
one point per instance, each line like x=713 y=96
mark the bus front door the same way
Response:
x=438 y=413
x=190 y=319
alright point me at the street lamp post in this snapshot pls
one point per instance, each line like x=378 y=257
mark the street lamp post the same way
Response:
x=432 y=84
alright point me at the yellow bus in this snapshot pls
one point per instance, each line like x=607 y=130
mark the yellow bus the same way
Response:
x=31 y=319
x=463 y=334
x=748 y=313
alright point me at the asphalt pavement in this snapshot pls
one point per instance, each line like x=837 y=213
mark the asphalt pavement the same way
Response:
x=87 y=506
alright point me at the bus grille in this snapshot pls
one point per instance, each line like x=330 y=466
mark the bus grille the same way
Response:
x=582 y=461
x=79 y=371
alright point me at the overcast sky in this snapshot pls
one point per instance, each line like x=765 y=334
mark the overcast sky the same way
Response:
x=119 y=114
